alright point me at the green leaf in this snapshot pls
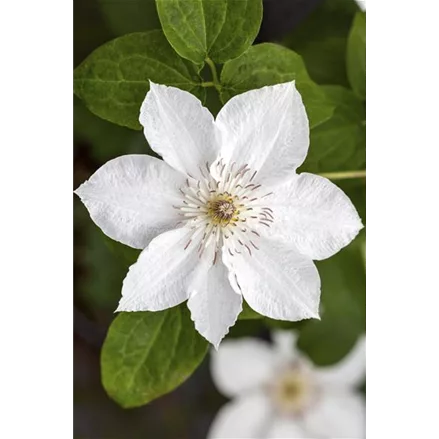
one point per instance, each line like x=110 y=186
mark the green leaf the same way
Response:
x=343 y=307
x=148 y=354
x=215 y=29
x=269 y=64
x=284 y=324
x=339 y=144
x=104 y=140
x=247 y=328
x=125 y=17
x=114 y=79
x=321 y=40
x=124 y=253
x=98 y=271
x=356 y=55
x=248 y=313
x=355 y=189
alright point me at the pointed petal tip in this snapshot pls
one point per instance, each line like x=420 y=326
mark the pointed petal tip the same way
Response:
x=213 y=341
x=312 y=315
x=119 y=308
x=79 y=191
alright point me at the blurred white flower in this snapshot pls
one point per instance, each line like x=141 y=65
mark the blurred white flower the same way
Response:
x=361 y=4
x=278 y=393
x=225 y=215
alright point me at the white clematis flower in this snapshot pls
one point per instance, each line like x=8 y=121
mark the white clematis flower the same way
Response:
x=225 y=215
x=278 y=393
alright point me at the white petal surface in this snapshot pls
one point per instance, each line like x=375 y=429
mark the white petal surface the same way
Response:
x=213 y=304
x=179 y=128
x=313 y=214
x=266 y=128
x=277 y=281
x=161 y=276
x=244 y=417
x=286 y=428
x=130 y=198
x=349 y=372
x=285 y=345
x=336 y=415
x=242 y=365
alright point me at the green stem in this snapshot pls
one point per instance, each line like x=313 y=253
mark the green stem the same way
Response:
x=208 y=84
x=215 y=81
x=344 y=175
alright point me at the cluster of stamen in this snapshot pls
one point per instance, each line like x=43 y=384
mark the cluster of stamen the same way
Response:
x=226 y=210
x=222 y=209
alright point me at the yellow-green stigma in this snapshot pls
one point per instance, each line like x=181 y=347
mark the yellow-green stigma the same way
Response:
x=222 y=209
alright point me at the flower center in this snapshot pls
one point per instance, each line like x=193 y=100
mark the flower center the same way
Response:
x=222 y=209
x=225 y=210
x=292 y=392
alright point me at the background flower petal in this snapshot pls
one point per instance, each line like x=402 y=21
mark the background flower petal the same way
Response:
x=286 y=428
x=336 y=415
x=130 y=198
x=285 y=345
x=349 y=372
x=244 y=417
x=242 y=365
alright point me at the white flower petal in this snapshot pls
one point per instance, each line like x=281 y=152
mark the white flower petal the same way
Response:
x=314 y=214
x=161 y=276
x=336 y=415
x=130 y=198
x=244 y=417
x=277 y=281
x=349 y=372
x=242 y=365
x=213 y=304
x=179 y=128
x=285 y=344
x=266 y=128
x=287 y=428
x=361 y=4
